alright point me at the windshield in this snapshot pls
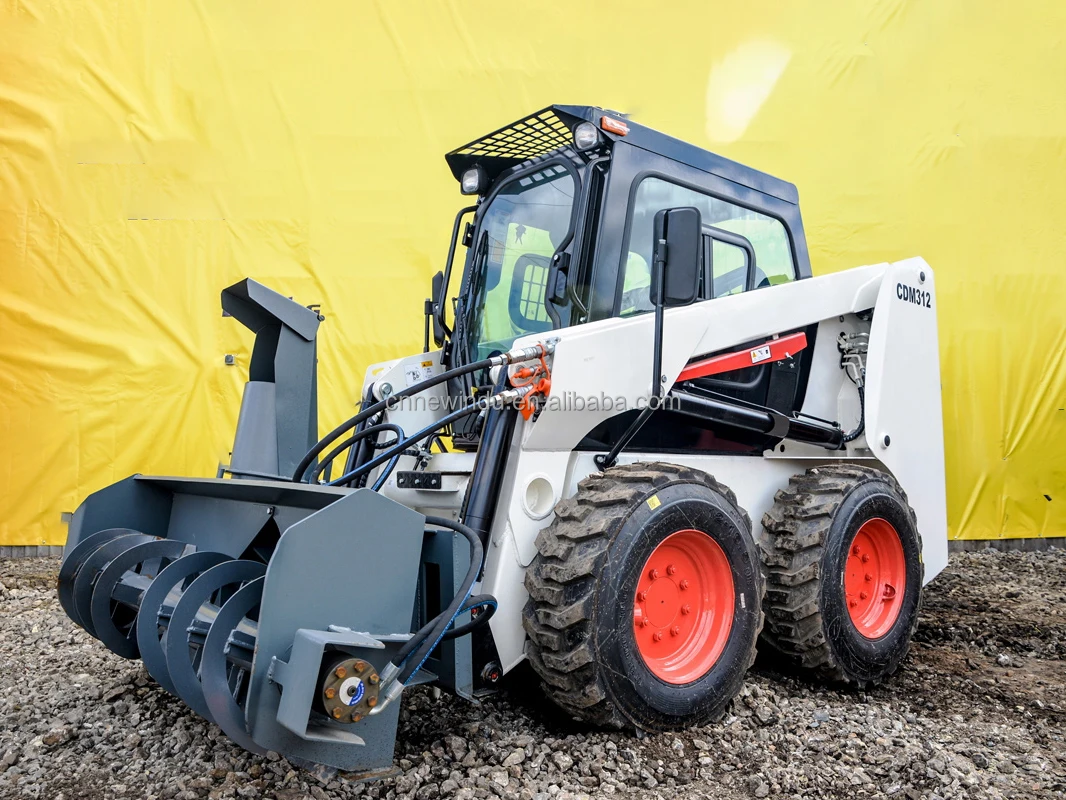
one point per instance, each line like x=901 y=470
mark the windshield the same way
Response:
x=524 y=225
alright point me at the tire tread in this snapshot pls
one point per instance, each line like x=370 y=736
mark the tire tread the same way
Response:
x=561 y=582
x=797 y=528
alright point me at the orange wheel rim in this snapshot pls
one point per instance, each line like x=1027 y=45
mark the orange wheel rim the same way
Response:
x=875 y=578
x=683 y=607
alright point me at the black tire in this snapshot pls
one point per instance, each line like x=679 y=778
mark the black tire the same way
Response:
x=810 y=529
x=580 y=614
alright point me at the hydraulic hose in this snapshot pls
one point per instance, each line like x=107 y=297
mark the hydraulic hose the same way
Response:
x=486 y=601
x=358 y=436
x=397 y=449
x=417 y=654
x=362 y=451
x=381 y=405
x=510 y=357
x=855 y=434
x=385 y=473
x=498 y=400
x=399 y=671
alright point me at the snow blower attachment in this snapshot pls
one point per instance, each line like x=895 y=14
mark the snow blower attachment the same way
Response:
x=584 y=518
x=281 y=611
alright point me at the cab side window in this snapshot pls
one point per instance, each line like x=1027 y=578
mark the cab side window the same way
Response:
x=729 y=263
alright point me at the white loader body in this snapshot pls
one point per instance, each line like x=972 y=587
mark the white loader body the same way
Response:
x=610 y=359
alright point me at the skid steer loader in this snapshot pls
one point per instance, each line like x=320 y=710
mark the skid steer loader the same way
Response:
x=636 y=364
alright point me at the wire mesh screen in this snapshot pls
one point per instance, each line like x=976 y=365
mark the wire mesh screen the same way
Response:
x=534 y=136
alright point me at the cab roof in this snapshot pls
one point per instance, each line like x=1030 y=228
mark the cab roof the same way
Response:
x=551 y=128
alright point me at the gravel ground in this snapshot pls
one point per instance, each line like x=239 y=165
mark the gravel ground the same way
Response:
x=977 y=710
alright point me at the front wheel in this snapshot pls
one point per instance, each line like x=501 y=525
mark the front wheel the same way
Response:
x=645 y=597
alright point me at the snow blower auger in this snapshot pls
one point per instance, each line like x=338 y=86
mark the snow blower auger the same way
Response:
x=636 y=365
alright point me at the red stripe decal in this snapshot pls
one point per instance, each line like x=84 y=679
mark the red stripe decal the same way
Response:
x=773 y=350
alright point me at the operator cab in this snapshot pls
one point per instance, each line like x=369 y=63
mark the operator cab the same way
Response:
x=561 y=234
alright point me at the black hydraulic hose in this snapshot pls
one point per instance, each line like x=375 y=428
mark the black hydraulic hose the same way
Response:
x=486 y=601
x=381 y=405
x=413 y=661
x=326 y=464
x=358 y=436
x=855 y=434
x=358 y=454
x=414 y=438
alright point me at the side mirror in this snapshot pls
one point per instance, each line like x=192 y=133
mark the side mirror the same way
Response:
x=675 y=281
x=438 y=308
x=677 y=262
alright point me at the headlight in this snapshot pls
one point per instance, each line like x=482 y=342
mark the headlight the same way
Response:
x=475 y=180
x=586 y=136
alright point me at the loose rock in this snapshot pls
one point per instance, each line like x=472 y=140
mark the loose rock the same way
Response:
x=955 y=721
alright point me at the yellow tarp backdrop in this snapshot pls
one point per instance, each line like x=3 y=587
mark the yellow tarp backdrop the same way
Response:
x=151 y=153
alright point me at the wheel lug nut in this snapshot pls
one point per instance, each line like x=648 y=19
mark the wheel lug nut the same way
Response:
x=642 y=596
x=654 y=574
x=373 y=679
x=658 y=636
x=331 y=693
x=853 y=603
x=869 y=577
x=855 y=550
x=336 y=713
x=372 y=701
x=683 y=585
x=863 y=595
x=686 y=609
x=670 y=570
x=674 y=631
x=360 y=666
x=865 y=557
x=644 y=623
x=356 y=717
x=340 y=672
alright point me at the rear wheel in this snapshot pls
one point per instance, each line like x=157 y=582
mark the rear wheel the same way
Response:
x=644 y=599
x=843 y=562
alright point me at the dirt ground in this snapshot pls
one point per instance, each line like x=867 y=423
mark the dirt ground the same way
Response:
x=977 y=710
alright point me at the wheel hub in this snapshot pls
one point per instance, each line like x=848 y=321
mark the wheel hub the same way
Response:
x=875 y=577
x=661 y=605
x=683 y=607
